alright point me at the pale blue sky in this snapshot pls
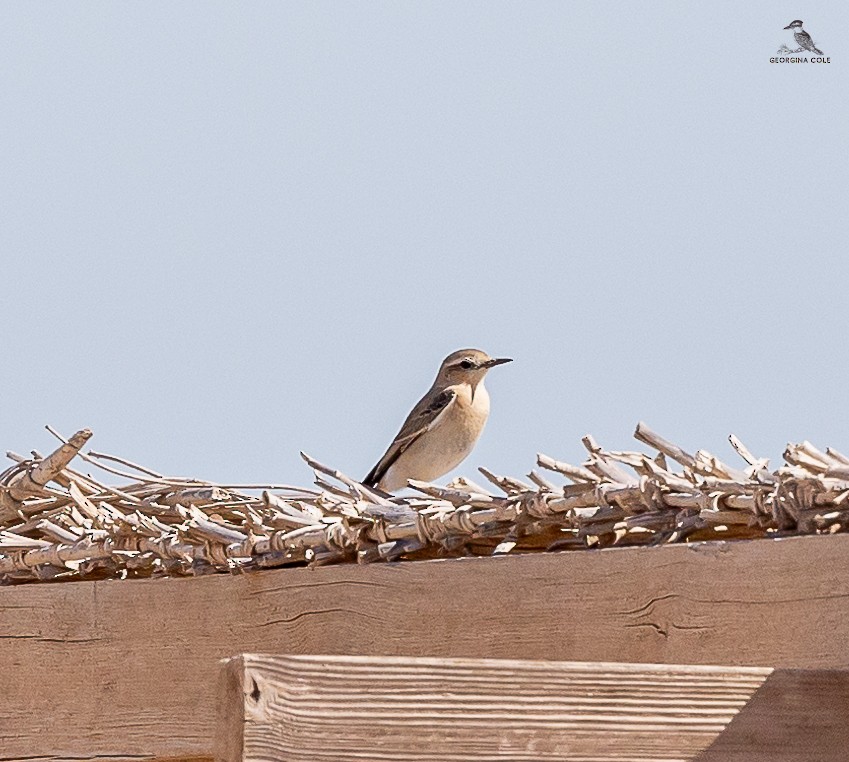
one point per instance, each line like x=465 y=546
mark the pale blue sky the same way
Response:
x=233 y=230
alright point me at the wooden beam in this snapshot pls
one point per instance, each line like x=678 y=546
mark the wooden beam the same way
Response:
x=408 y=709
x=127 y=669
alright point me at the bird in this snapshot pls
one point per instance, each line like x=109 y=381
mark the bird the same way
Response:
x=803 y=39
x=443 y=427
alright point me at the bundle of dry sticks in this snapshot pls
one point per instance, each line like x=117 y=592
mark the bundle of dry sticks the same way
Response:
x=57 y=522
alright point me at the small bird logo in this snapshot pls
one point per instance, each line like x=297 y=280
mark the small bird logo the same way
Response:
x=803 y=39
x=443 y=427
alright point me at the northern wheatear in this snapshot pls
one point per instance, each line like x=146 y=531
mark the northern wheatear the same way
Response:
x=443 y=427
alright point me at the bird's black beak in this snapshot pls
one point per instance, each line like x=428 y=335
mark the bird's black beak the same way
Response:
x=788 y=26
x=497 y=361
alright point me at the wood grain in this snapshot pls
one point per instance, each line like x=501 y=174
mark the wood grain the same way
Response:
x=127 y=669
x=407 y=709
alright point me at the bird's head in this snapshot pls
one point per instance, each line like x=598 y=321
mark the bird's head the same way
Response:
x=467 y=366
x=794 y=25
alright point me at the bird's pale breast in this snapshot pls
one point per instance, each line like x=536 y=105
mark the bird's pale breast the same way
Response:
x=445 y=445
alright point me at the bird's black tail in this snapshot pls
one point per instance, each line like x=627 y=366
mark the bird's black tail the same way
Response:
x=818 y=52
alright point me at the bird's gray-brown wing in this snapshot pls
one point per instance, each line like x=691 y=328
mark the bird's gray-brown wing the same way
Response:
x=804 y=40
x=421 y=418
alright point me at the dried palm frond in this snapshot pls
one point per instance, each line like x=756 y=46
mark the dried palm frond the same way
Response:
x=59 y=523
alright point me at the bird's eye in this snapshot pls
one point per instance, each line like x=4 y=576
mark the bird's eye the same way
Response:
x=467 y=365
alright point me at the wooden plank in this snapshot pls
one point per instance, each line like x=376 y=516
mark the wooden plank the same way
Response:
x=128 y=668
x=408 y=709
x=232 y=692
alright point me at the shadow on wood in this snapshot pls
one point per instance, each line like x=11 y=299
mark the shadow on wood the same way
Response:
x=794 y=715
x=394 y=709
